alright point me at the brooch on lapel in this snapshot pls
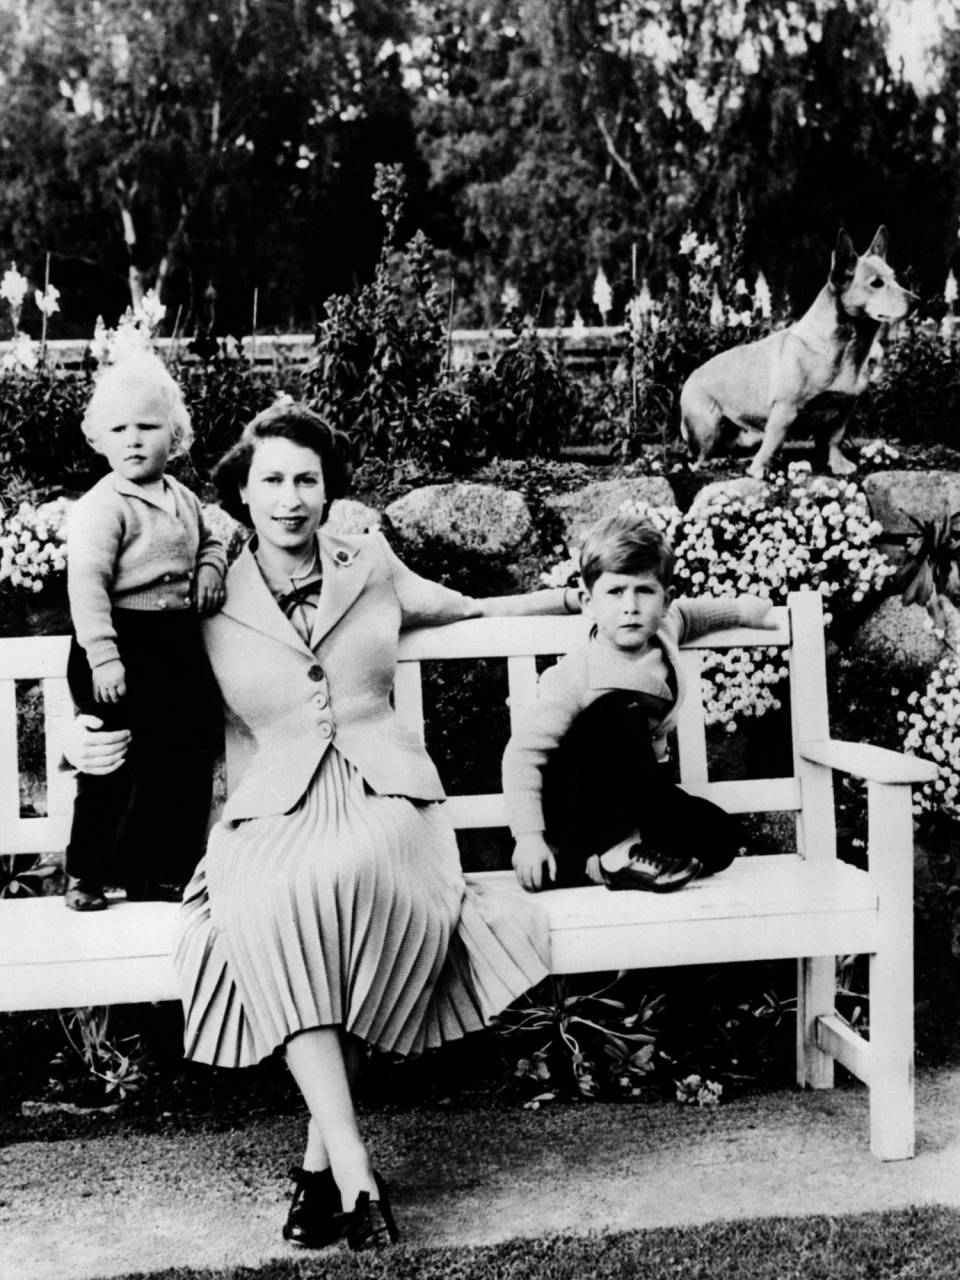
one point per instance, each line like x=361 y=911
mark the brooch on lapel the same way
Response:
x=342 y=557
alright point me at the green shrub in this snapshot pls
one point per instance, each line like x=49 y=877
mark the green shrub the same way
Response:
x=378 y=373
x=916 y=397
x=527 y=403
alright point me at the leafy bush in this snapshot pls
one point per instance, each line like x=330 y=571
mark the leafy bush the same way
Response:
x=582 y=1043
x=666 y=340
x=916 y=395
x=223 y=389
x=526 y=402
x=379 y=369
x=41 y=442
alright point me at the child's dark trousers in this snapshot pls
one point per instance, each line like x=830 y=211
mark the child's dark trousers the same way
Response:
x=603 y=782
x=144 y=825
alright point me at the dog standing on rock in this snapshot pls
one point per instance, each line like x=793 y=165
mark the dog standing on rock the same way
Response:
x=808 y=374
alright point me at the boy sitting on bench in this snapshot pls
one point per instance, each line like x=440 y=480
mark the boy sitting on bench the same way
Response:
x=585 y=775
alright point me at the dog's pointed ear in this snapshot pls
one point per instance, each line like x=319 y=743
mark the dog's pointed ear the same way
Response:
x=844 y=259
x=878 y=246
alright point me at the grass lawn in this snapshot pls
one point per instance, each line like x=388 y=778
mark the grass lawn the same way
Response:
x=919 y=1244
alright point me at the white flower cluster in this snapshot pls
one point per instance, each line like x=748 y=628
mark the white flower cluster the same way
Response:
x=133 y=334
x=695 y=1091
x=879 y=454
x=740 y=682
x=13 y=289
x=931 y=724
x=800 y=533
x=32 y=544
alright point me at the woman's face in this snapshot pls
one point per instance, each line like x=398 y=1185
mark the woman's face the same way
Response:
x=285 y=494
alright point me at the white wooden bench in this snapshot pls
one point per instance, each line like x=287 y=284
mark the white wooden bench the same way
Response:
x=806 y=905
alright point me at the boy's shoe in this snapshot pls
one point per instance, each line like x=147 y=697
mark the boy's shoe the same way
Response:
x=83 y=896
x=652 y=872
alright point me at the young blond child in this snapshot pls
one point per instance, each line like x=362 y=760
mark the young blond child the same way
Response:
x=141 y=566
x=585 y=775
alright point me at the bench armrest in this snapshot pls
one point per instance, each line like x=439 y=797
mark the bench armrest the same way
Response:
x=874 y=764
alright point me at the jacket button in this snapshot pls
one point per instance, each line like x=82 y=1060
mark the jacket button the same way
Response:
x=320 y=700
x=326 y=729
x=166 y=577
x=315 y=674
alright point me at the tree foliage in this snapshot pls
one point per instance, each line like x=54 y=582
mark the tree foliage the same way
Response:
x=562 y=133
x=199 y=149
x=230 y=147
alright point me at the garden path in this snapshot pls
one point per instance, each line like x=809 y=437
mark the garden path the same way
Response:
x=103 y=1206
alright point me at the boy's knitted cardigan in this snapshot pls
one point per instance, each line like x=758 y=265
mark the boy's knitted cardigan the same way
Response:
x=125 y=550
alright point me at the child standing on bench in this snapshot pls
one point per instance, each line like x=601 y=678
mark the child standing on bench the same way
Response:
x=585 y=774
x=141 y=565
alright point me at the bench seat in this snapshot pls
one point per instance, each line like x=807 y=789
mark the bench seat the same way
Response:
x=773 y=907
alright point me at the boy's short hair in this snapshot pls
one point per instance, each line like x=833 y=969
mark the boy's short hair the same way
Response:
x=137 y=370
x=624 y=543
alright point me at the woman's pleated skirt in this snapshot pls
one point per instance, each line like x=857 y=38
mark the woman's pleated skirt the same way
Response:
x=350 y=911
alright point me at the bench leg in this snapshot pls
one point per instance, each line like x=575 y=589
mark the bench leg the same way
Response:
x=816 y=997
x=890 y=850
x=891 y=1057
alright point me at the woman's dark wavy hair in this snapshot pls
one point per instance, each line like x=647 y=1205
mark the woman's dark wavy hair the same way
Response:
x=285 y=421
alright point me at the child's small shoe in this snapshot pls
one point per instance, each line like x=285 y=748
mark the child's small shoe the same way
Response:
x=83 y=896
x=651 y=871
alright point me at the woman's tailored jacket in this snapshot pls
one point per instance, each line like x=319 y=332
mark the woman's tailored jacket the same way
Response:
x=336 y=691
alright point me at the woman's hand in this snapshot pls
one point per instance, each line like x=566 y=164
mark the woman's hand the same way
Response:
x=92 y=749
x=532 y=857
x=210 y=589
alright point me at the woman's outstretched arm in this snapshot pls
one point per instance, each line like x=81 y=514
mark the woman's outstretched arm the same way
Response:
x=550 y=600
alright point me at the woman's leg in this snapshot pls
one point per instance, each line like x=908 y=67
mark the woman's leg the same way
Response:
x=316 y=1156
x=318 y=1061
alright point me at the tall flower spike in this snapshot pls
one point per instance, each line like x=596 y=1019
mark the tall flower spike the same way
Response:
x=602 y=294
x=47 y=300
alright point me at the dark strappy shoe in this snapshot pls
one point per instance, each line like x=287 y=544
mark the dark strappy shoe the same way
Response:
x=315 y=1218
x=370 y=1224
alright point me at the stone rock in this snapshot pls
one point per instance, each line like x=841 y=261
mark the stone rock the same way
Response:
x=925 y=495
x=581 y=508
x=899 y=636
x=477 y=518
x=742 y=487
x=347 y=515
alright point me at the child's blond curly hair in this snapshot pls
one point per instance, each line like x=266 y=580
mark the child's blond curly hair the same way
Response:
x=141 y=371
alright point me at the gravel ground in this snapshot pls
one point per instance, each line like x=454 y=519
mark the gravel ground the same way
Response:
x=113 y=1203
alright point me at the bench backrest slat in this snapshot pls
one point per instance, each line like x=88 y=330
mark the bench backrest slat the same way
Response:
x=691 y=728
x=9 y=755
x=520 y=642
x=810 y=722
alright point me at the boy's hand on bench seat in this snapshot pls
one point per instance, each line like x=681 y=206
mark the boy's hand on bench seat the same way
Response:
x=92 y=749
x=532 y=857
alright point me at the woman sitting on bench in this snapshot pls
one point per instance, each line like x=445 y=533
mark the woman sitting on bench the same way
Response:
x=330 y=911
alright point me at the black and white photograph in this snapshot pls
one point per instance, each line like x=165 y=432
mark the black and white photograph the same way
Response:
x=479 y=639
